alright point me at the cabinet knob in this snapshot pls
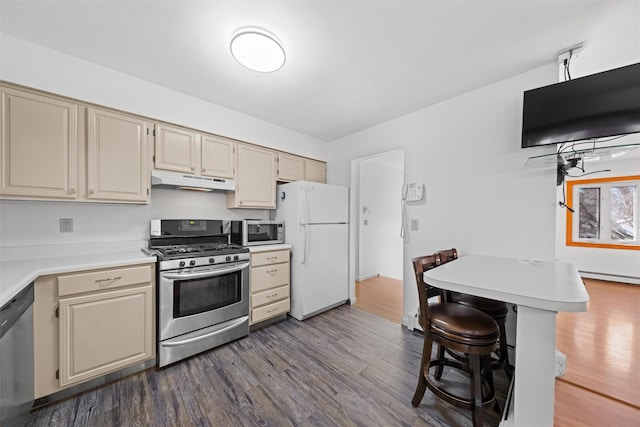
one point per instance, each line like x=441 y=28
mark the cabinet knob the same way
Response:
x=192 y=168
x=204 y=170
x=90 y=191
x=72 y=191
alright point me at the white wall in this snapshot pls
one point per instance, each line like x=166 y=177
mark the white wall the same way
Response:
x=479 y=196
x=34 y=223
x=611 y=264
x=28 y=64
x=380 y=244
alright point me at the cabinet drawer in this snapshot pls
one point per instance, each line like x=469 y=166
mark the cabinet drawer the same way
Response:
x=267 y=258
x=269 y=276
x=106 y=279
x=269 y=296
x=271 y=310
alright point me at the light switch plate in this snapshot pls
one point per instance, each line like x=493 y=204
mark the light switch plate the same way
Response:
x=66 y=225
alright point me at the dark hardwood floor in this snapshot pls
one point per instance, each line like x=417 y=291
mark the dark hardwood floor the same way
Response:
x=345 y=367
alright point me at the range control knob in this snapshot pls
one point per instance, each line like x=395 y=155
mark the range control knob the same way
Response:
x=192 y=262
x=212 y=260
x=228 y=258
x=181 y=263
x=236 y=258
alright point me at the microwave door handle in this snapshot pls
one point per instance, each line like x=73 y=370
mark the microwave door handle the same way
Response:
x=208 y=273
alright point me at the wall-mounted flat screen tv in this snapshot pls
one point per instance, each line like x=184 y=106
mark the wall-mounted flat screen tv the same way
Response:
x=596 y=106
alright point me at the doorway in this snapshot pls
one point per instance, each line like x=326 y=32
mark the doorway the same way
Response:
x=379 y=247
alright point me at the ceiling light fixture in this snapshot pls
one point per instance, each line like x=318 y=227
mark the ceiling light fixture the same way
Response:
x=258 y=50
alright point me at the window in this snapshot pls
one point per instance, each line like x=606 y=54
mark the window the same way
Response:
x=606 y=213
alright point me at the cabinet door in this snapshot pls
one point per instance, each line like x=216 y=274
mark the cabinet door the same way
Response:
x=102 y=332
x=256 y=178
x=117 y=157
x=315 y=171
x=176 y=149
x=218 y=156
x=290 y=168
x=39 y=146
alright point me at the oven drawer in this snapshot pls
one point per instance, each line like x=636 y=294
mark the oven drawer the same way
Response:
x=269 y=296
x=269 y=276
x=104 y=279
x=271 y=310
x=268 y=258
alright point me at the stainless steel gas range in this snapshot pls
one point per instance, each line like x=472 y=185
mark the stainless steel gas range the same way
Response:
x=203 y=287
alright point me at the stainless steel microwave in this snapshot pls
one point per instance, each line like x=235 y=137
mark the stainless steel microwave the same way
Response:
x=253 y=232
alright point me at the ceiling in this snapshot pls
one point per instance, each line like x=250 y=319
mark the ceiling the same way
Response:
x=350 y=64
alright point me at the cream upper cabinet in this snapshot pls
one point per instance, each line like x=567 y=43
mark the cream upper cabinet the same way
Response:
x=176 y=149
x=315 y=171
x=290 y=168
x=117 y=160
x=218 y=156
x=255 y=179
x=39 y=146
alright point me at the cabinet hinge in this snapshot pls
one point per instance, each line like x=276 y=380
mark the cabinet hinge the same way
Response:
x=147 y=191
x=57 y=374
x=147 y=131
x=154 y=132
x=154 y=158
x=57 y=311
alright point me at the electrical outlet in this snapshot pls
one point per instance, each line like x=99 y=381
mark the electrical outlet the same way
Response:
x=66 y=225
x=414 y=225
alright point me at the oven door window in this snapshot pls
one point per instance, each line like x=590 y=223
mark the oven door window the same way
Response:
x=196 y=296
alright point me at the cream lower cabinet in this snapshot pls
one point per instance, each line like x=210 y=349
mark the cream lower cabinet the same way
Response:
x=269 y=284
x=92 y=323
x=255 y=179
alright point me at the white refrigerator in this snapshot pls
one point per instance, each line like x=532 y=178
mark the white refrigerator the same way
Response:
x=316 y=225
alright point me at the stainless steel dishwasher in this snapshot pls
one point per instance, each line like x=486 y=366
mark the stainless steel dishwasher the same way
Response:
x=16 y=359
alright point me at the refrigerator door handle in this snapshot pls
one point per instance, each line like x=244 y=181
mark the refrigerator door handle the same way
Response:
x=306 y=244
x=305 y=222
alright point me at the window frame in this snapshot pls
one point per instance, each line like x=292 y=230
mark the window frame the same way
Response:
x=603 y=184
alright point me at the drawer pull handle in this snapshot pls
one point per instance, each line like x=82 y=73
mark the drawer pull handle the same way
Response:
x=273 y=310
x=272 y=258
x=274 y=271
x=272 y=295
x=109 y=279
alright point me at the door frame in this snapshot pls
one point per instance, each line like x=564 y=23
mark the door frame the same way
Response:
x=354 y=217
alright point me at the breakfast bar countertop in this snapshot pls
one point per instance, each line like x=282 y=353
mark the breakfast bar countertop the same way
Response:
x=554 y=286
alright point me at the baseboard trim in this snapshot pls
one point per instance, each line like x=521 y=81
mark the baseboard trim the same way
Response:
x=610 y=277
x=367 y=276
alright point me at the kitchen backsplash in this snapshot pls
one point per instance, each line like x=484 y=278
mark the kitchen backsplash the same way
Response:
x=32 y=223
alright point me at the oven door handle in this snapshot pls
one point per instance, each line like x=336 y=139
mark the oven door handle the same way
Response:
x=201 y=337
x=209 y=273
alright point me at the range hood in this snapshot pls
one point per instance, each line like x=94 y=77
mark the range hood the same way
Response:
x=190 y=182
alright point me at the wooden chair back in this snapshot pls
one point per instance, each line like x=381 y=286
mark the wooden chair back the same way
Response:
x=420 y=265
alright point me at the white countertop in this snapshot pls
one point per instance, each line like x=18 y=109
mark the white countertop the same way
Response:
x=554 y=286
x=17 y=269
x=268 y=248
